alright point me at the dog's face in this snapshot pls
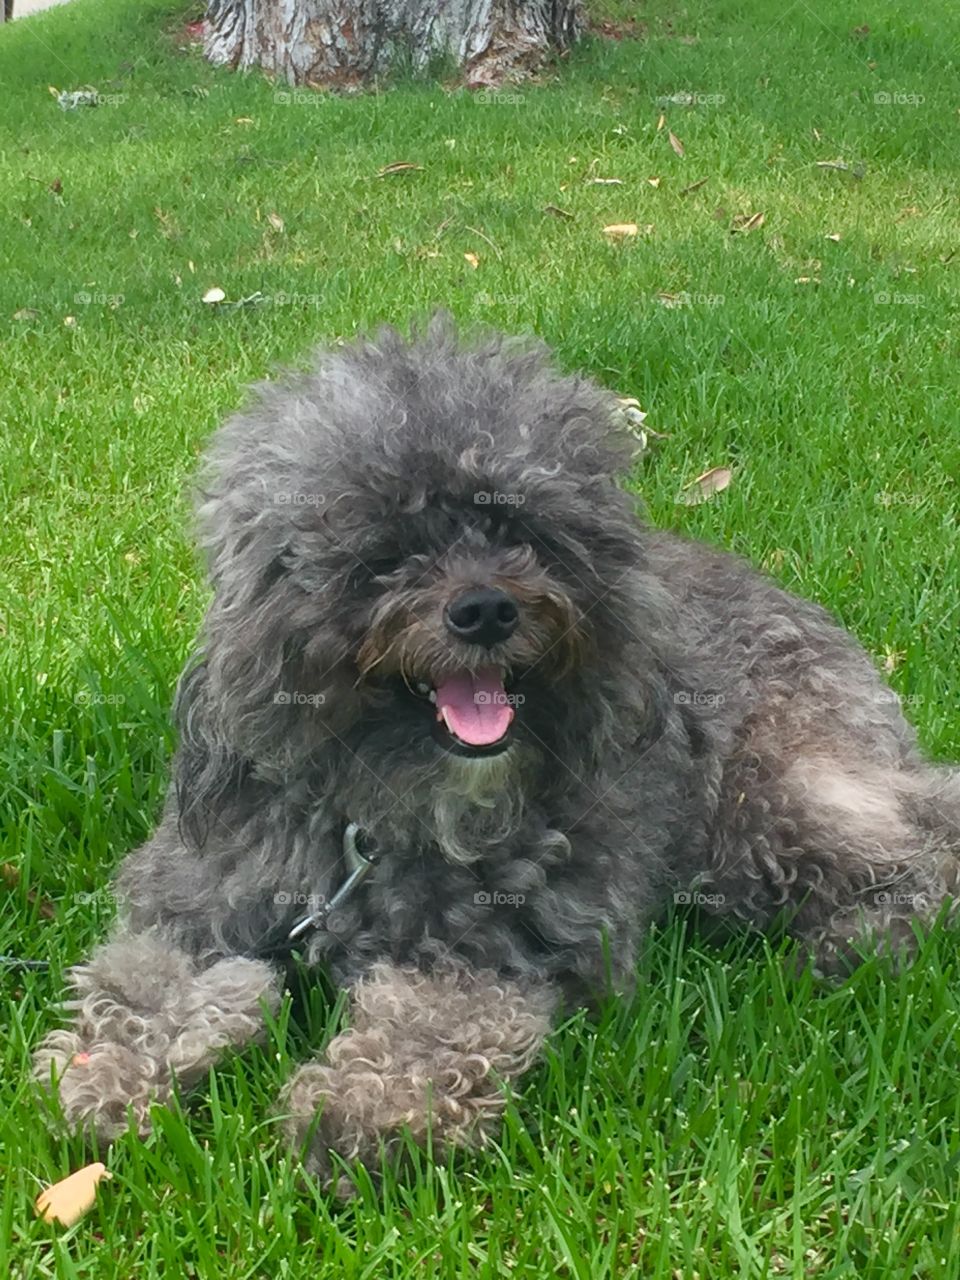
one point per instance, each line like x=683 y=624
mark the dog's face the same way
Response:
x=417 y=553
x=464 y=621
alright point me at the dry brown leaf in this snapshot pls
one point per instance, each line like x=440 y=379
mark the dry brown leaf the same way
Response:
x=275 y=221
x=604 y=182
x=654 y=182
x=676 y=144
x=621 y=230
x=213 y=295
x=472 y=259
x=558 y=212
x=26 y=313
x=670 y=299
x=244 y=120
x=399 y=166
x=747 y=222
x=705 y=486
x=694 y=186
x=834 y=237
x=892 y=659
x=68 y=1200
x=661 y=122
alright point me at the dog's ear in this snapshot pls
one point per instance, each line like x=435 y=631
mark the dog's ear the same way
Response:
x=208 y=771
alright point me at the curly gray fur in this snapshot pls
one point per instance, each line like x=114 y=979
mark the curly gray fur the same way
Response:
x=686 y=728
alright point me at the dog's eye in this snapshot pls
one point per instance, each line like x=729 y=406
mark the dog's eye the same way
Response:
x=381 y=566
x=370 y=569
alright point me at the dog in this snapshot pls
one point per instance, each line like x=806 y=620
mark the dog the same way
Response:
x=460 y=726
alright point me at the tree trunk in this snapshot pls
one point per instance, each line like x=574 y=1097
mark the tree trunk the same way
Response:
x=344 y=43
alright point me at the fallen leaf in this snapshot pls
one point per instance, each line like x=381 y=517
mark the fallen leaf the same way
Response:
x=855 y=170
x=244 y=120
x=604 y=182
x=621 y=230
x=834 y=237
x=892 y=659
x=70 y=321
x=275 y=221
x=472 y=259
x=399 y=166
x=806 y=280
x=560 y=213
x=860 y=32
x=676 y=144
x=68 y=1200
x=747 y=222
x=654 y=182
x=213 y=295
x=670 y=299
x=26 y=313
x=704 y=487
x=661 y=122
x=694 y=186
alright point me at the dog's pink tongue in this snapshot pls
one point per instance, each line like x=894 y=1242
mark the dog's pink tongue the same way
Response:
x=475 y=707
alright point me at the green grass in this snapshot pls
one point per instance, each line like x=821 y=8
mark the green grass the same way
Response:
x=729 y=1122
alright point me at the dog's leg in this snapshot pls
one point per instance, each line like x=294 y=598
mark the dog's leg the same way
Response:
x=426 y=1052
x=147 y=1016
x=854 y=855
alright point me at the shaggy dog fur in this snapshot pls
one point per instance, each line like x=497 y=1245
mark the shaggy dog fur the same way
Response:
x=404 y=523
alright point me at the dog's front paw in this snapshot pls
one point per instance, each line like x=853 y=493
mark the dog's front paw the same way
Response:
x=100 y=1088
x=362 y=1101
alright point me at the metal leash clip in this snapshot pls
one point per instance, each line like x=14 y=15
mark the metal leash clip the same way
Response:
x=360 y=865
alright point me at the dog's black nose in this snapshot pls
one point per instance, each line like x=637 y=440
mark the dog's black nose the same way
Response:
x=483 y=615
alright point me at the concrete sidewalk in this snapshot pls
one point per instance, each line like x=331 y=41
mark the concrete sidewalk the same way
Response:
x=23 y=8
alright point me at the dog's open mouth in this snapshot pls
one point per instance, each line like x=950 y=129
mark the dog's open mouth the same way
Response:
x=474 y=712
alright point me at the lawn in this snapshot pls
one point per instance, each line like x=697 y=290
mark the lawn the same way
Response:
x=732 y=1121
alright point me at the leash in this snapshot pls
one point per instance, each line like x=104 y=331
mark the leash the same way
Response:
x=361 y=864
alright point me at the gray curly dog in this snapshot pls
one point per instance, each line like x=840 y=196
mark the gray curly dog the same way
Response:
x=459 y=728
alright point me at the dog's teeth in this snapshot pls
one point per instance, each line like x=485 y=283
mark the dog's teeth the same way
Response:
x=432 y=695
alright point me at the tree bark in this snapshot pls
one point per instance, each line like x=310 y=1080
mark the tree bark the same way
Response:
x=345 y=43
